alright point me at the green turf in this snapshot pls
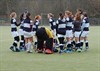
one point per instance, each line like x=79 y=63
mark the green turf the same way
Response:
x=85 y=61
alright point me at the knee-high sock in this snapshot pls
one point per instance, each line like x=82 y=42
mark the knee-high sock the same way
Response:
x=69 y=45
x=61 y=46
x=86 y=44
x=16 y=40
x=81 y=43
x=77 y=44
x=15 y=43
x=29 y=46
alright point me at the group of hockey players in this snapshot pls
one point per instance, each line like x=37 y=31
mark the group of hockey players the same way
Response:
x=67 y=34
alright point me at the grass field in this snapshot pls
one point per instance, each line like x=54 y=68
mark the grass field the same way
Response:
x=85 y=61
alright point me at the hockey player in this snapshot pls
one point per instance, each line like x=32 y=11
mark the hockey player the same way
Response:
x=44 y=40
x=85 y=31
x=14 y=32
x=53 y=27
x=61 y=31
x=69 y=30
x=77 y=31
x=28 y=32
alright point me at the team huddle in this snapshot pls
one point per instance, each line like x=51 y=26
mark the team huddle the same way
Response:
x=67 y=34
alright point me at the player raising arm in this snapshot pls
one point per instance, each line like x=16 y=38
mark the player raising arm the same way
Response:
x=14 y=32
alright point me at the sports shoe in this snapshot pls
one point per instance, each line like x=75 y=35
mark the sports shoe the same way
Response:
x=12 y=48
x=22 y=48
x=74 y=49
x=79 y=50
x=86 y=48
x=29 y=51
x=61 y=51
x=17 y=50
x=55 y=50
x=68 y=51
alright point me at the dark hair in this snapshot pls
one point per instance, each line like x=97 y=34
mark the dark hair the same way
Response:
x=21 y=17
x=51 y=15
x=81 y=11
x=28 y=16
x=69 y=13
x=61 y=15
x=85 y=14
x=78 y=17
x=26 y=11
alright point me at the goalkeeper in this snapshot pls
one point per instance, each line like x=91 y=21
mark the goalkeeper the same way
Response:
x=44 y=40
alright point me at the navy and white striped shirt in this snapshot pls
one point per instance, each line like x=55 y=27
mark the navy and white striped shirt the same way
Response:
x=69 y=23
x=52 y=23
x=35 y=26
x=27 y=25
x=61 y=26
x=13 y=25
x=85 y=24
x=22 y=24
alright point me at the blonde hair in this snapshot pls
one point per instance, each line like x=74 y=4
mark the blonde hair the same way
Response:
x=51 y=15
x=68 y=13
x=80 y=11
x=13 y=14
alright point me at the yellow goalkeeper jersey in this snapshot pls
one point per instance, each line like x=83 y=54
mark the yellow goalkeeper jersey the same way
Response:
x=49 y=33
